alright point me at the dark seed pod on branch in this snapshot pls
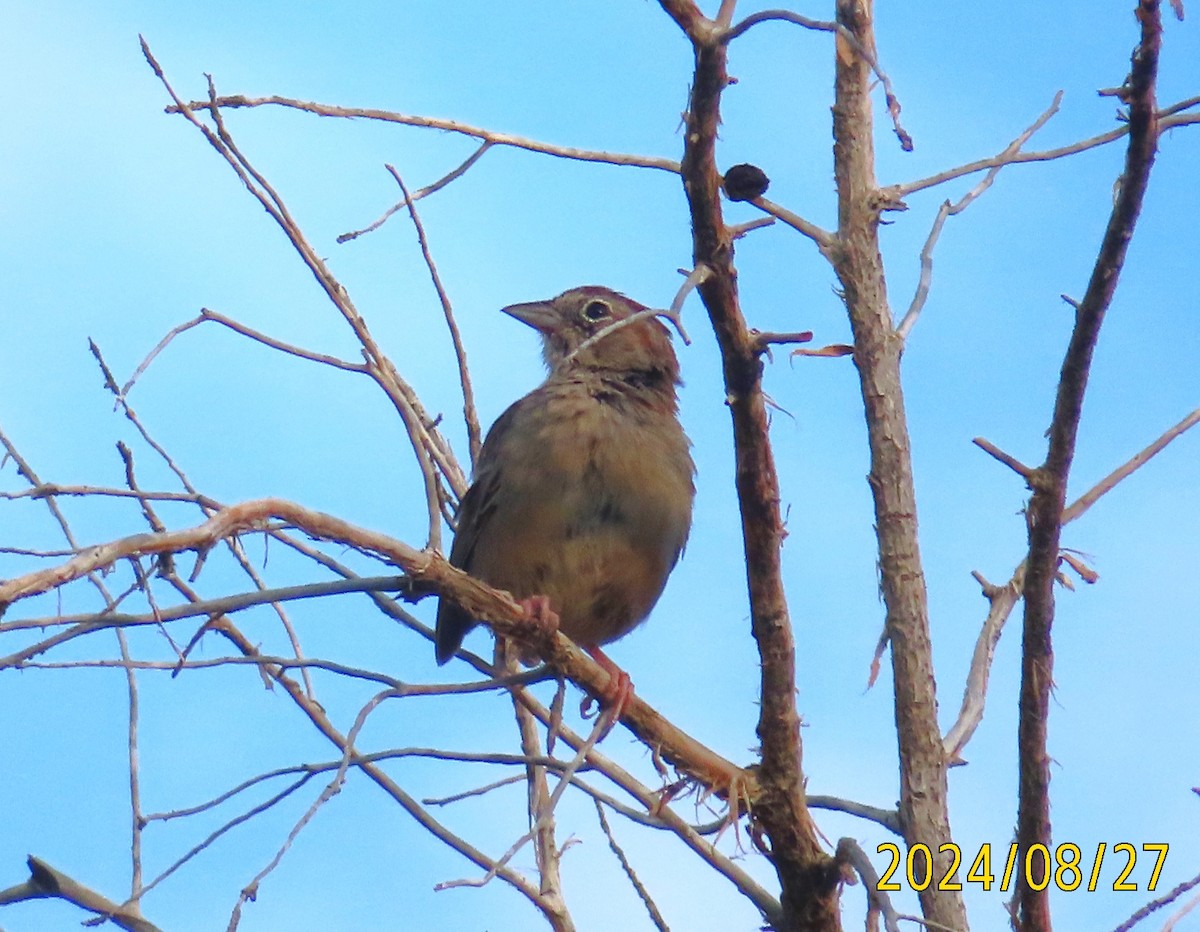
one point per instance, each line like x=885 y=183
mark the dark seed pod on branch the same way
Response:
x=745 y=182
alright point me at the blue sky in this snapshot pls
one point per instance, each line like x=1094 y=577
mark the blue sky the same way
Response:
x=117 y=222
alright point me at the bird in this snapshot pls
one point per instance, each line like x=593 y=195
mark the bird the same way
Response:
x=581 y=499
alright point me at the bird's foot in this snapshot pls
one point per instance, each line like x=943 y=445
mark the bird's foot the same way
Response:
x=617 y=695
x=539 y=616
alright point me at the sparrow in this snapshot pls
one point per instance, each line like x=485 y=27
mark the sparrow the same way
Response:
x=581 y=501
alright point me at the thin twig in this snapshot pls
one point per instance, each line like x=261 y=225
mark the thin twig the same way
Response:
x=1156 y=904
x=540 y=818
x=888 y=818
x=638 y=887
x=53 y=489
x=469 y=794
x=1168 y=118
x=1090 y=497
x=1025 y=472
x=694 y=278
x=450 y=126
x=863 y=50
x=230 y=824
x=470 y=415
x=135 y=789
x=418 y=194
x=220 y=605
x=250 y=892
x=949 y=209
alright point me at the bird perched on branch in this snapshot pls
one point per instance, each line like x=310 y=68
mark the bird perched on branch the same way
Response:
x=582 y=497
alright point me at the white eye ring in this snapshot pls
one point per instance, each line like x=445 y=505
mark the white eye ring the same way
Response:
x=595 y=311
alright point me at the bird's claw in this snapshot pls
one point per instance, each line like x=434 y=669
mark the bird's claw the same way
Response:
x=617 y=694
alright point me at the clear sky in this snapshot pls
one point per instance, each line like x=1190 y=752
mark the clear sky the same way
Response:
x=118 y=222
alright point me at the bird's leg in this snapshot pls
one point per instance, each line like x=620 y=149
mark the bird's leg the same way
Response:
x=619 y=691
x=617 y=694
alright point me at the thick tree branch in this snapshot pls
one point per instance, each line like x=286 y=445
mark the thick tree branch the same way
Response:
x=877 y=348
x=808 y=877
x=1049 y=484
x=44 y=881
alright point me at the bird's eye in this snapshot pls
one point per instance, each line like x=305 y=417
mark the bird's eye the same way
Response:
x=595 y=311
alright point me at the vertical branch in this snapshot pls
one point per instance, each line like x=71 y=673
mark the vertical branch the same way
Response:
x=25 y=470
x=541 y=811
x=877 y=350
x=470 y=416
x=808 y=877
x=1049 y=481
x=135 y=789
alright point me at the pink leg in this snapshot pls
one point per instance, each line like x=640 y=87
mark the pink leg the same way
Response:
x=619 y=692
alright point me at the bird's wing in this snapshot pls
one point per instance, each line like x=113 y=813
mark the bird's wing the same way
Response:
x=475 y=510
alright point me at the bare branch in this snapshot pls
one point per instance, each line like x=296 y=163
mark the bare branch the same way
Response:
x=1156 y=904
x=1049 y=484
x=635 y=882
x=1025 y=472
x=1090 y=497
x=1168 y=118
x=429 y=447
x=888 y=818
x=419 y=194
x=426 y=567
x=1002 y=599
x=949 y=210
x=863 y=50
x=44 y=881
x=849 y=852
x=450 y=126
x=807 y=875
x=470 y=415
x=923 y=805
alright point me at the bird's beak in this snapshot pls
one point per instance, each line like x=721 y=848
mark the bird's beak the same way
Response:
x=540 y=315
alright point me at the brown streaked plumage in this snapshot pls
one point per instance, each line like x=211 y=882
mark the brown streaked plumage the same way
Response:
x=583 y=490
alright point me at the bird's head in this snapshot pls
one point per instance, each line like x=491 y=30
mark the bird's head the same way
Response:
x=575 y=329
